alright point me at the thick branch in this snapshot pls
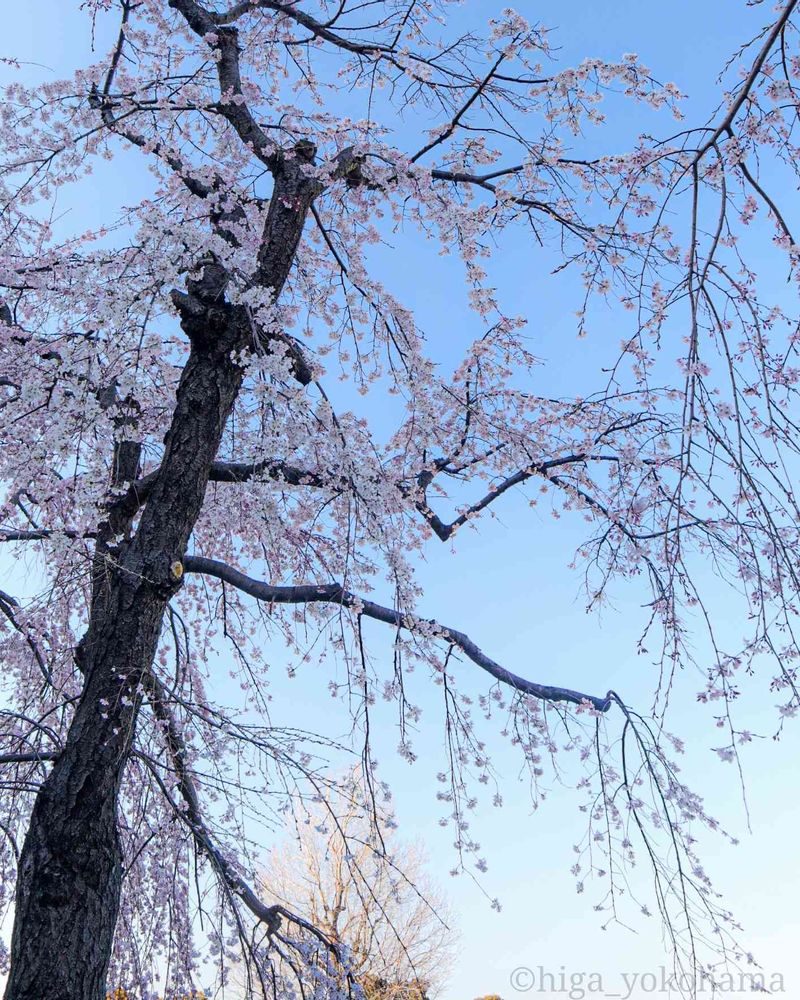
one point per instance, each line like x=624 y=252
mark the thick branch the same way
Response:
x=334 y=593
x=30 y=757
x=240 y=472
x=228 y=472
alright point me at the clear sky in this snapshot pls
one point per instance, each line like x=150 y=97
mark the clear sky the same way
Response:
x=510 y=587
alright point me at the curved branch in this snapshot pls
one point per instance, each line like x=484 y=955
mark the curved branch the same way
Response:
x=444 y=530
x=334 y=593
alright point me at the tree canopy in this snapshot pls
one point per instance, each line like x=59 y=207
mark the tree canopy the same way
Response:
x=222 y=424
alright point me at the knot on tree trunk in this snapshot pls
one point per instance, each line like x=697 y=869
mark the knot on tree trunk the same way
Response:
x=208 y=320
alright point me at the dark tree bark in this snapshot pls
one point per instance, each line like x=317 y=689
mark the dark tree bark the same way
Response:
x=70 y=869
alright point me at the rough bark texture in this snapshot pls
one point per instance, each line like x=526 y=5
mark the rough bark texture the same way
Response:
x=70 y=871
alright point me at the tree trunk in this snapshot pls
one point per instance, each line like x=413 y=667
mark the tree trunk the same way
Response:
x=70 y=869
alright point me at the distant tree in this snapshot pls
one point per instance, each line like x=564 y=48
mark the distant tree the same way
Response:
x=369 y=892
x=378 y=988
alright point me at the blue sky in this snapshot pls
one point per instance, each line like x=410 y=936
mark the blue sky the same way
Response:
x=538 y=627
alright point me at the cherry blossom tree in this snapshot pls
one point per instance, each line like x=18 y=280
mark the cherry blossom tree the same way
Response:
x=184 y=469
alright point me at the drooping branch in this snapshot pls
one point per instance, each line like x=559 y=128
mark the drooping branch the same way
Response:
x=334 y=593
x=233 y=882
x=8 y=607
x=226 y=308
x=192 y=815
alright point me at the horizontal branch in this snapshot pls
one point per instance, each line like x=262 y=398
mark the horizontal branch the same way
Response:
x=271 y=468
x=334 y=593
x=39 y=534
x=220 y=472
x=29 y=757
x=225 y=472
